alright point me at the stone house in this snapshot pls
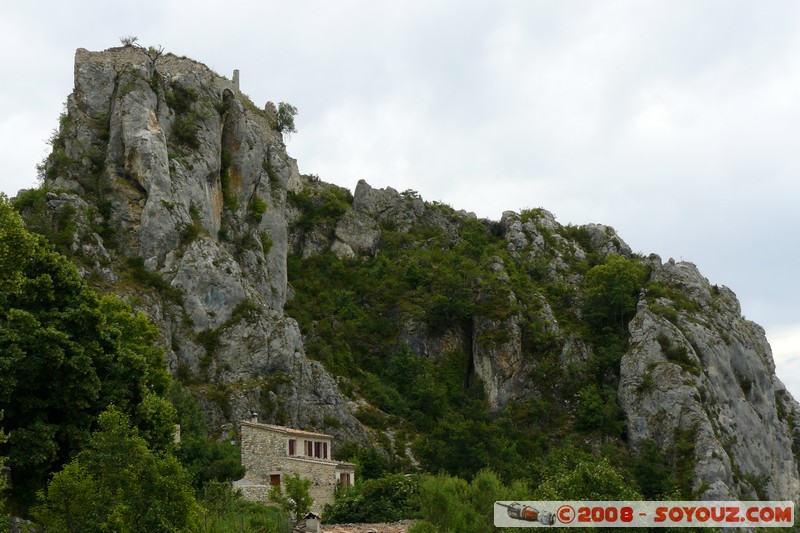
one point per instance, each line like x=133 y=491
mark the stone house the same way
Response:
x=271 y=452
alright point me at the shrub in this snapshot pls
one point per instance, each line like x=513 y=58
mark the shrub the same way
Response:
x=589 y=479
x=140 y=274
x=652 y=471
x=128 y=40
x=57 y=226
x=190 y=232
x=386 y=499
x=256 y=208
x=598 y=409
x=266 y=242
x=228 y=511
x=286 y=114
x=209 y=339
x=185 y=130
x=228 y=197
x=678 y=354
x=370 y=462
x=325 y=206
x=452 y=504
x=181 y=100
x=682 y=460
x=371 y=417
x=295 y=499
x=612 y=291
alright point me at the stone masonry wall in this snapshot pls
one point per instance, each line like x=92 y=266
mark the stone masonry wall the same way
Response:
x=254 y=493
x=322 y=475
x=263 y=452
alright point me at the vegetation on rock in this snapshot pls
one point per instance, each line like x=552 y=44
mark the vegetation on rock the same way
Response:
x=486 y=359
x=83 y=390
x=67 y=353
x=285 y=118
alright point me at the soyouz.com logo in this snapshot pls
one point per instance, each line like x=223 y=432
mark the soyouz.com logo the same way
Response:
x=643 y=514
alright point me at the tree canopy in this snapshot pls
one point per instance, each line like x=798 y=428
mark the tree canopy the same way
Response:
x=118 y=483
x=612 y=291
x=286 y=114
x=295 y=499
x=66 y=353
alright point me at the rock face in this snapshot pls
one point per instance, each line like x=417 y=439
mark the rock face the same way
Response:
x=172 y=169
x=706 y=373
x=177 y=183
x=695 y=371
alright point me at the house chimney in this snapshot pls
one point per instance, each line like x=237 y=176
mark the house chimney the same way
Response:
x=253 y=417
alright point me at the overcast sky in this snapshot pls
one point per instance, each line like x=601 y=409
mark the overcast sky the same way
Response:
x=677 y=122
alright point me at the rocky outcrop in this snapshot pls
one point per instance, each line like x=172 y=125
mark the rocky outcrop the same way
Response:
x=169 y=165
x=179 y=193
x=537 y=234
x=697 y=370
x=358 y=229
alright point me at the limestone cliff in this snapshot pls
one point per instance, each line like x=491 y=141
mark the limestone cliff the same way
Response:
x=175 y=190
x=694 y=368
x=179 y=182
x=697 y=367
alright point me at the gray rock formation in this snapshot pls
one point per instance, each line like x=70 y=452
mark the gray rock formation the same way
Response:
x=178 y=182
x=193 y=180
x=697 y=368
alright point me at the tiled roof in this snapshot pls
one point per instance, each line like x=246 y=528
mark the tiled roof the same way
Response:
x=287 y=430
x=319 y=461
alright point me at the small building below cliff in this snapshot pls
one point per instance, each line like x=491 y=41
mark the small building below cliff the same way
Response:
x=271 y=452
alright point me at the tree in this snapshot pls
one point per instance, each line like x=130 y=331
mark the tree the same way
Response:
x=226 y=510
x=652 y=471
x=118 y=483
x=286 y=114
x=589 y=479
x=66 y=353
x=451 y=504
x=612 y=291
x=296 y=500
x=386 y=499
x=3 y=480
x=205 y=459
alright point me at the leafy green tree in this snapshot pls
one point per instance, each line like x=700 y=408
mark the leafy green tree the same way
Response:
x=370 y=463
x=612 y=291
x=295 y=499
x=118 y=483
x=3 y=482
x=598 y=409
x=652 y=471
x=589 y=479
x=207 y=460
x=286 y=114
x=227 y=511
x=452 y=504
x=65 y=355
x=386 y=499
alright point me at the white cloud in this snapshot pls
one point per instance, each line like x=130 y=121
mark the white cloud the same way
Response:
x=785 y=343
